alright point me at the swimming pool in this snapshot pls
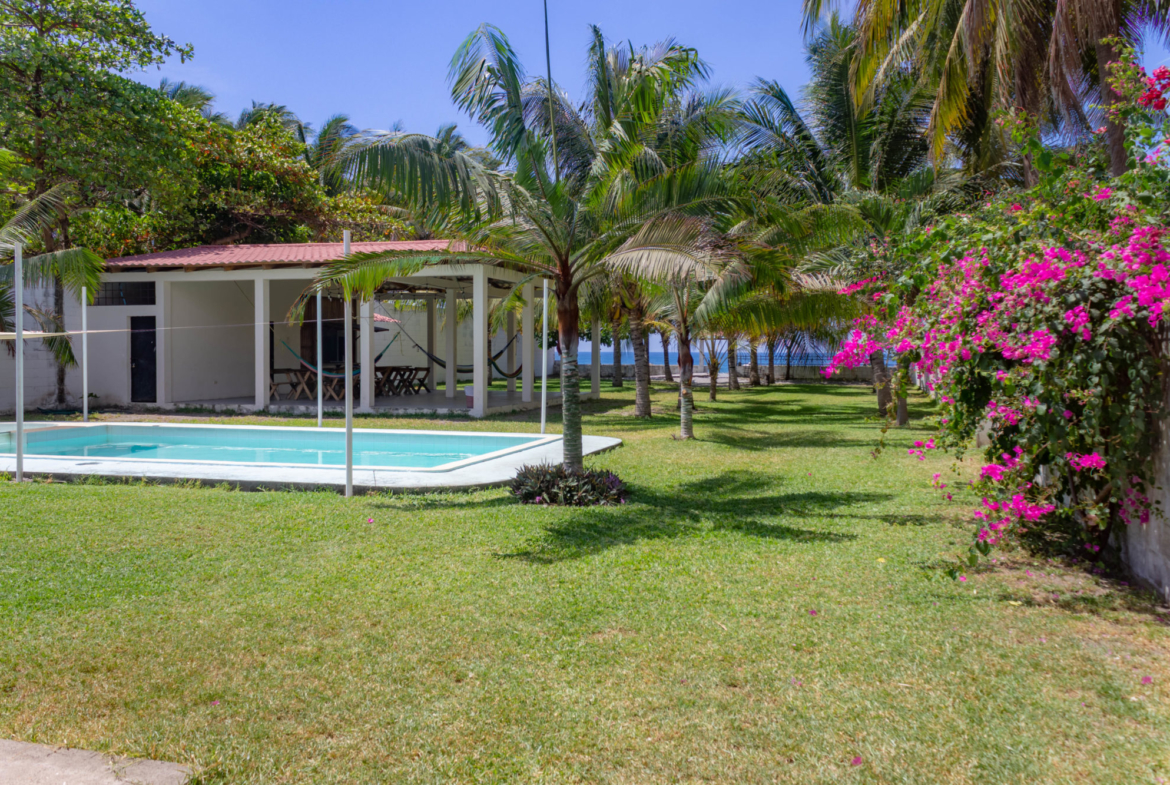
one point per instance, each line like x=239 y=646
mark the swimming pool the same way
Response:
x=270 y=446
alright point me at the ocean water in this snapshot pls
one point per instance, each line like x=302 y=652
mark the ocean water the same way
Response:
x=585 y=357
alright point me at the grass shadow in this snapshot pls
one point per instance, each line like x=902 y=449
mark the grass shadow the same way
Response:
x=727 y=502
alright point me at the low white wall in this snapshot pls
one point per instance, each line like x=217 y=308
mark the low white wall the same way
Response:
x=1146 y=549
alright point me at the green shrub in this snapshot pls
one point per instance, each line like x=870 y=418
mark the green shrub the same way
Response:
x=548 y=484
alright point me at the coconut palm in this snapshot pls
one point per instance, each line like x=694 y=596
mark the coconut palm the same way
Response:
x=75 y=268
x=194 y=97
x=287 y=118
x=565 y=218
x=863 y=171
x=323 y=150
x=1001 y=54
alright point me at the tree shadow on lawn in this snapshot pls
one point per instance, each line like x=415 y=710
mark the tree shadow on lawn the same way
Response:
x=756 y=441
x=716 y=504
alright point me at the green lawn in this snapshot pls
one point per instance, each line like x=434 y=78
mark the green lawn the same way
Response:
x=297 y=637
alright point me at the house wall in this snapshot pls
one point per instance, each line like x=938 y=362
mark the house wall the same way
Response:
x=40 y=369
x=211 y=340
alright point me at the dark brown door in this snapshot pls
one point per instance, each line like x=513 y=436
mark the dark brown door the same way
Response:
x=143 y=360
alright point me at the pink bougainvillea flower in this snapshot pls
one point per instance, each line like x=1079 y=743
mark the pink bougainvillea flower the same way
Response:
x=963 y=578
x=812 y=613
x=215 y=703
x=1147 y=679
x=1015 y=208
x=857 y=761
x=1090 y=461
x=371 y=520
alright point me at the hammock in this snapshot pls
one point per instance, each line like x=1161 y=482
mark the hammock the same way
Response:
x=328 y=375
x=467 y=368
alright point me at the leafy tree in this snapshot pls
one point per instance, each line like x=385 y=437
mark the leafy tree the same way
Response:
x=69 y=117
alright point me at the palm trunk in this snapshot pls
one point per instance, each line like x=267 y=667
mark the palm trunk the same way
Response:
x=772 y=340
x=641 y=365
x=881 y=382
x=686 y=371
x=788 y=359
x=666 y=355
x=712 y=370
x=1114 y=128
x=732 y=373
x=903 y=407
x=754 y=361
x=617 y=355
x=568 y=318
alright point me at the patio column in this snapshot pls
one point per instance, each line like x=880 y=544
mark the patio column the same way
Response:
x=366 y=357
x=510 y=355
x=595 y=360
x=163 y=343
x=528 y=351
x=452 y=341
x=431 y=343
x=262 y=302
x=479 y=335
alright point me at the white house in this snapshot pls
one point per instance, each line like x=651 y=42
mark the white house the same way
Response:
x=209 y=326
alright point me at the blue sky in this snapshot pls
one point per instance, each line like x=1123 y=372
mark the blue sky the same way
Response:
x=383 y=60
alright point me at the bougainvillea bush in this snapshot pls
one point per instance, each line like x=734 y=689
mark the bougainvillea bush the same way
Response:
x=1038 y=320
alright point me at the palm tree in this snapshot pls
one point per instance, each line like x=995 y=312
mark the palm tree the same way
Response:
x=323 y=150
x=863 y=172
x=564 y=219
x=1001 y=54
x=286 y=117
x=74 y=268
x=193 y=97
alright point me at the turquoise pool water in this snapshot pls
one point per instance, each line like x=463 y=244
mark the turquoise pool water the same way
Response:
x=303 y=447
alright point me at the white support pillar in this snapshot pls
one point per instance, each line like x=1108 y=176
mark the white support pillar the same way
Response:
x=366 y=356
x=262 y=354
x=510 y=355
x=320 y=364
x=348 y=389
x=595 y=360
x=18 y=325
x=479 y=336
x=163 y=392
x=528 y=353
x=85 y=354
x=432 y=384
x=452 y=320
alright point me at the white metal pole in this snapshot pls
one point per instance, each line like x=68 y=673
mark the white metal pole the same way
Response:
x=18 y=320
x=84 y=355
x=320 y=367
x=544 y=370
x=348 y=381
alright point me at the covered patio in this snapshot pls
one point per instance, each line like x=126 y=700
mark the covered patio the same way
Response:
x=208 y=327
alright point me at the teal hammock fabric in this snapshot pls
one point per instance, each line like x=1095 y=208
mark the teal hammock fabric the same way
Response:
x=328 y=375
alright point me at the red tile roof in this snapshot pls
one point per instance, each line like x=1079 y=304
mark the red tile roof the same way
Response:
x=275 y=253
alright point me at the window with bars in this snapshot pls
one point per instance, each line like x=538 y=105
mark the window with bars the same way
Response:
x=128 y=293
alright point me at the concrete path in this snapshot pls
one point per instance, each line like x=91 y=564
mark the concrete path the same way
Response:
x=22 y=763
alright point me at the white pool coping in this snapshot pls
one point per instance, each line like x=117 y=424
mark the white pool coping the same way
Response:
x=482 y=472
